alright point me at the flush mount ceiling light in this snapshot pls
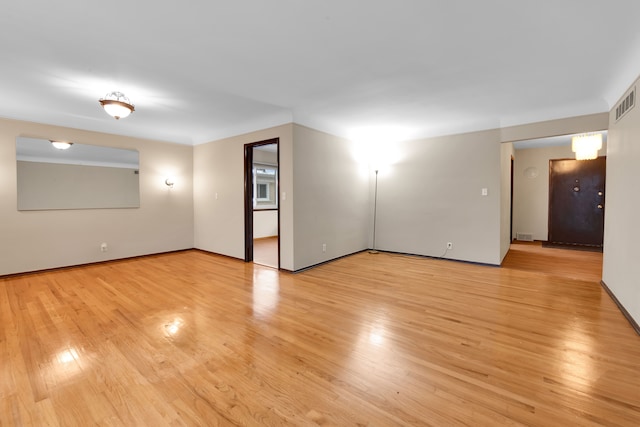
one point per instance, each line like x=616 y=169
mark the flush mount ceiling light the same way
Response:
x=117 y=105
x=61 y=145
x=586 y=146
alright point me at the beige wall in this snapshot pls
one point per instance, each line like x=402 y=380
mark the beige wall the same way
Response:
x=433 y=195
x=332 y=199
x=35 y=240
x=621 y=270
x=218 y=182
x=265 y=223
x=570 y=125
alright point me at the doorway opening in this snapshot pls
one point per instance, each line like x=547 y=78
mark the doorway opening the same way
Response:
x=511 y=172
x=531 y=211
x=261 y=203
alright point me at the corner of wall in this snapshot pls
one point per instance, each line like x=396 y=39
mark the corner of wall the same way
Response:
x=622 y=231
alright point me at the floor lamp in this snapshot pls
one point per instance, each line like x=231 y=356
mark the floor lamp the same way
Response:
x=375 y=212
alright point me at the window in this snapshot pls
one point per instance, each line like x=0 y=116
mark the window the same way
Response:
x=263 y=192
x=265 y=184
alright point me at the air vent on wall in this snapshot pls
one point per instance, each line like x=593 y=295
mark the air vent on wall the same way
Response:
x=524 y=237
x=627 y=103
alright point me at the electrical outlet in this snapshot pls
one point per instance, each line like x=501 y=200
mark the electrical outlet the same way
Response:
x=104 y=247
x=324 y=247
x=449 y=245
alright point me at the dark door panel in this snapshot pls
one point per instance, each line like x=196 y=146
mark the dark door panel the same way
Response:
x=576 y=201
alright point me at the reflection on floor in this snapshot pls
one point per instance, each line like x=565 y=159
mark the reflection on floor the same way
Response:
x=265 y=251
x=573 y=264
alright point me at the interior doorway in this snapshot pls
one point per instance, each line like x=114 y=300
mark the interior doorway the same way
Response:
x=262 y=204
x=531 y=234
x=531 y=185
x=511 y=172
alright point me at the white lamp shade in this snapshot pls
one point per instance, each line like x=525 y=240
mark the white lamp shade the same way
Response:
x=116 y=109
x=586 y=147
x=117 y=105
x=61 y=145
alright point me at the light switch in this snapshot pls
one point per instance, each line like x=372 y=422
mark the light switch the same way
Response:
x=284 y=195
x=485 y=191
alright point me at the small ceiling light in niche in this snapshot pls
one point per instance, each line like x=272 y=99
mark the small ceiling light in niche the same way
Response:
x=586 y=146
x=170 y=182
x=117 y=105
x=61 y=145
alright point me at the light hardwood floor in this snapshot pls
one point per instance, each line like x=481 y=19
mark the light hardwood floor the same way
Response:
x=265 y=251
x=191 y=338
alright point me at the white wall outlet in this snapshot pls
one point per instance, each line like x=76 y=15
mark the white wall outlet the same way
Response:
x=449 y=245
x=324 y=247
x=485 y=191
x=104 y=247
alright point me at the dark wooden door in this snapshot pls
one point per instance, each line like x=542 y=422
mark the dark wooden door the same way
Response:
x=576 y=201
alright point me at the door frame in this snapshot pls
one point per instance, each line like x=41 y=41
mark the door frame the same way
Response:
x=511 y=200
x=248 y=195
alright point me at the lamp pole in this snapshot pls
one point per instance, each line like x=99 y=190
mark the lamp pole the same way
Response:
x=375 y=212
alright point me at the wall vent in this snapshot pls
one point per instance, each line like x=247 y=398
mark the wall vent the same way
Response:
x=627 y=103
x=525 y=237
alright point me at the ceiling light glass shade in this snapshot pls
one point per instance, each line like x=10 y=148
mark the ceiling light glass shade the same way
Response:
x=61 y=145
x=117 y=105
x=586 y=146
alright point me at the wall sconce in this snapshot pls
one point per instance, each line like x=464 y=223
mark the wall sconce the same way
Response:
x=61 y=145
x=170 y=182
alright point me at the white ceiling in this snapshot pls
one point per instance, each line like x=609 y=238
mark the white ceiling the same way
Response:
x=203 y=70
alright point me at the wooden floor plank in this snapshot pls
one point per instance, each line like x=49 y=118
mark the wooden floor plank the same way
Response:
x=265 y=251
x=191 y=338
